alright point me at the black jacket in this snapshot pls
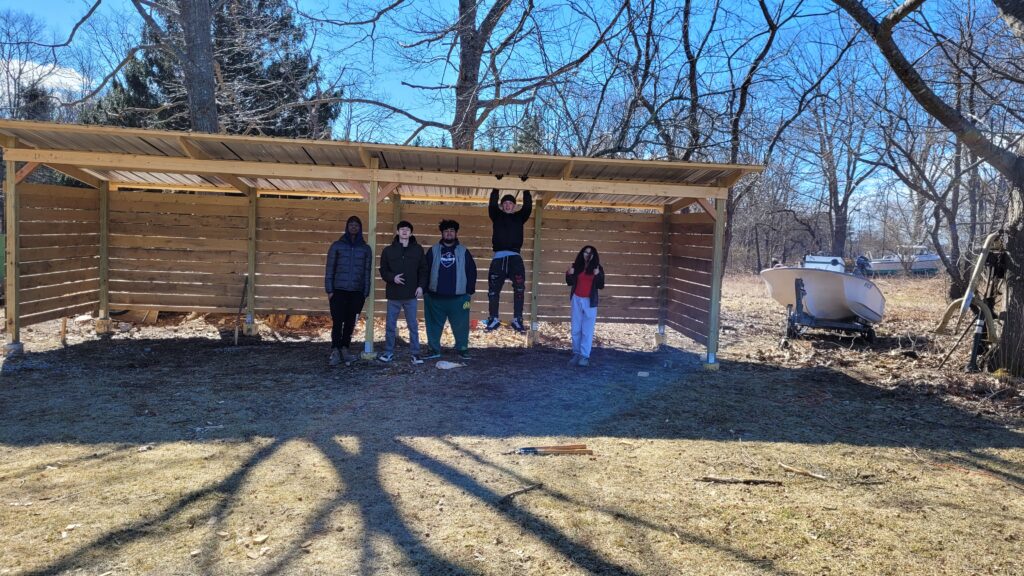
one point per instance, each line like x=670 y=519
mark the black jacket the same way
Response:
x=598 y=284
x=508 y=228
x=408 y=260
x=349 y=265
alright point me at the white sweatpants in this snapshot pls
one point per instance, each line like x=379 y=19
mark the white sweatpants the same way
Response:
x=583 y=319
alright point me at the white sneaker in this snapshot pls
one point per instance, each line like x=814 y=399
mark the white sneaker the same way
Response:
x=492 y=324
x=416 y=360
x=386 y=357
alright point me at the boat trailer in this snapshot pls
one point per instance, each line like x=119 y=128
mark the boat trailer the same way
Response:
x=799 y=320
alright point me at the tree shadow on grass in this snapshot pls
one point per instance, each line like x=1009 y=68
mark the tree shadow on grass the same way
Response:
x=140 y=392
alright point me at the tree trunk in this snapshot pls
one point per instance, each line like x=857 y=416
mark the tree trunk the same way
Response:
x=839 y=231
x=1011 y=347
x=200 y=83
x=467 y=87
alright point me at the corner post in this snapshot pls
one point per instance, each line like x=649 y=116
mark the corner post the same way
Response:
x=716 y=284
x=12 y=217
x=533 y=335
x=103 y=320
x=666 y=252
x=249 y=329
x=371 y=238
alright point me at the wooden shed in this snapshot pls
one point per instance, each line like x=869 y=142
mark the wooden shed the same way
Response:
x=203 y=222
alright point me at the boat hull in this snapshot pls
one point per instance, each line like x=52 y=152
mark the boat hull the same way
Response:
x=834 y=296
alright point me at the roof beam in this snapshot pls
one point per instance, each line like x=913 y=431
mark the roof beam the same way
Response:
x=335 y=173
x=192 y=150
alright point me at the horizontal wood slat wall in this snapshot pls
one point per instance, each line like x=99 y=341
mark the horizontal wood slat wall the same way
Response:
x=59 y=257
x=177 y=250
x=689 y=275
x=182 y=251
x=630 y=247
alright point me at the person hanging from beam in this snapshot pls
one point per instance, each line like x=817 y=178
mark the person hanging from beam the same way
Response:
x=347 y=281
x=507 y=241
x=585 y=277
x=449 y=291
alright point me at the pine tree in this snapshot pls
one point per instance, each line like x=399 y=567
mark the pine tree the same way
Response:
x=529 y=137
x=267 y=81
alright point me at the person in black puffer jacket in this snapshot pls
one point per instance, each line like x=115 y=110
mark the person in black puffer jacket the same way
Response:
x=507 y=241
x=347 y=281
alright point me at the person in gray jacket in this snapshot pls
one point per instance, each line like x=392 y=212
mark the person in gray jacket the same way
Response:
x=347 y=281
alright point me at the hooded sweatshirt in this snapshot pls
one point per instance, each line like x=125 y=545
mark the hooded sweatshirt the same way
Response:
x=349 y=263
x=408 y=260
x=507 y=234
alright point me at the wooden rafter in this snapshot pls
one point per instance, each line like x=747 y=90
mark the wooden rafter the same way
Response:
x=174 y=165
x=192 y=150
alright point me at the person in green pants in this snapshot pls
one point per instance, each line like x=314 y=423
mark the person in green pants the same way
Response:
x=449 y=291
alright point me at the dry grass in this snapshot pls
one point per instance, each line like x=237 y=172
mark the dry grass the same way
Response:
x=170 y=452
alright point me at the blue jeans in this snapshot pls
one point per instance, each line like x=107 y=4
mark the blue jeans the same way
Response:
x=394 y=307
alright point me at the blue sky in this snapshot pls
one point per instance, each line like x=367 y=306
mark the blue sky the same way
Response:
x=60 y=17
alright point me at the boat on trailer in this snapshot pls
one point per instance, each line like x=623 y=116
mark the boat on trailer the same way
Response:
x=820 y=294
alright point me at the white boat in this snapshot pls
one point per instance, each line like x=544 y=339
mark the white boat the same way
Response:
x=829 y=295
x=914 y=259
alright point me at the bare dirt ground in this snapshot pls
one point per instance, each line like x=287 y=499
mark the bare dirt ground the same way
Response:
x=166 y=450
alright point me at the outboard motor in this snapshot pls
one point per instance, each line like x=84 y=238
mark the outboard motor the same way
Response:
x=862 y=266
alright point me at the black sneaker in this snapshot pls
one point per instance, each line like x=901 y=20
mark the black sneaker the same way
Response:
x=432 y=355
x=517 y=325
x=464 y=355
x=492 y=324
x=416 y=360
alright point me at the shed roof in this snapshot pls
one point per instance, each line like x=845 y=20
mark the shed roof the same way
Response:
x=137 y=158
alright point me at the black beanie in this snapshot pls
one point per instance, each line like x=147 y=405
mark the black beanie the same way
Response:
x=404 y=224
x=508 y=198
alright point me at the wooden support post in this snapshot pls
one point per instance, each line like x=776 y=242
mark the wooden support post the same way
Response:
x=103 y=324
x=396 y=213
x=533 y=336
x=371 y=238
x=249 y=329
x=716 y=285
x=666 y=252
x=12 y=205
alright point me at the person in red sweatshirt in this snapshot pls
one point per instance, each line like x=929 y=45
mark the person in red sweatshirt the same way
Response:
x=585 y=278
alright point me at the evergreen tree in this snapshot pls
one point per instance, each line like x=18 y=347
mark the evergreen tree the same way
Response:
x=529 y=136
x=267 y=80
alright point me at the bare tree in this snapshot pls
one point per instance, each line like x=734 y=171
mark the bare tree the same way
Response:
x=489 y=49
x=1003 y=154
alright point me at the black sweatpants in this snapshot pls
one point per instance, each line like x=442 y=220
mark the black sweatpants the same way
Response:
x=512 y=268
x=345 y=308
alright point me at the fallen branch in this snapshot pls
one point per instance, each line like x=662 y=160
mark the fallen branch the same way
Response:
x=508 y=497
x=751 y=481
x=802 y=472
